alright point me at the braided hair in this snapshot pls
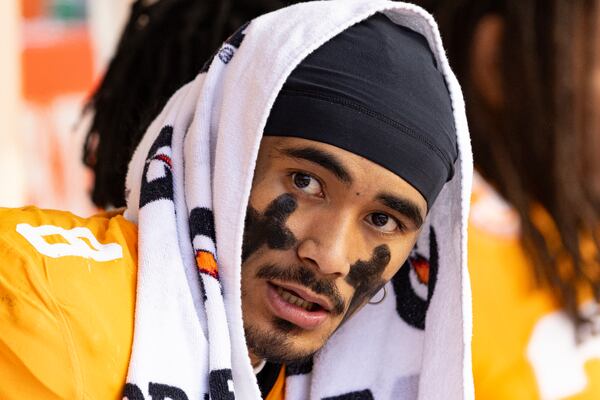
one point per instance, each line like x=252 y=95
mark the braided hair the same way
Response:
x=535 y=149
x=163 y=46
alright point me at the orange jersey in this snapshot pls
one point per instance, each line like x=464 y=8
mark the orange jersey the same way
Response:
x=67 y=296
x=67 y=302
x=523 y=345
x=278 y=390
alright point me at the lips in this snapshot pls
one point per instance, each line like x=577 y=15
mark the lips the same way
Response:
x=305 y=294
x=297 y=305
x=292 y=299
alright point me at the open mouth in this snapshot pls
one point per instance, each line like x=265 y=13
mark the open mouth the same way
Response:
x=297 y=305
x=295 y=299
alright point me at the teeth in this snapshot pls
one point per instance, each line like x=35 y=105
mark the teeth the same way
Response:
x=293 y=299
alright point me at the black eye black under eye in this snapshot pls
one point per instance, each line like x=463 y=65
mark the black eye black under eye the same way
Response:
x=301 y=180
x=380 y=219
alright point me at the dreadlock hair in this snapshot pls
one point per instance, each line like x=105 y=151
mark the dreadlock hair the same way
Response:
x=533 y=147
x=163 y=46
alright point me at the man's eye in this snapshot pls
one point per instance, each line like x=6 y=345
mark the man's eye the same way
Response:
x=307 y=184
x=383 y=222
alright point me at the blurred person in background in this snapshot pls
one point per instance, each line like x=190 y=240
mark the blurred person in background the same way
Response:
x=529 y=70
x=163 y=46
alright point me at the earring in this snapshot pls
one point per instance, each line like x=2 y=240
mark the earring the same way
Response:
x=374 y=303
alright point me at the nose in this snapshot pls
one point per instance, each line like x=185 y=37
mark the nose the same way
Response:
x=326 y=245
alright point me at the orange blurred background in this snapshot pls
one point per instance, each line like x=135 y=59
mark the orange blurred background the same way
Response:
x=55 y=52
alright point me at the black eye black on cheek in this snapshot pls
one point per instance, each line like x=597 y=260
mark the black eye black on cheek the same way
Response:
x=270 y=227
x=366 y=277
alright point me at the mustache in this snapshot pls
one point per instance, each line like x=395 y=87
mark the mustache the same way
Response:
x=308 y=278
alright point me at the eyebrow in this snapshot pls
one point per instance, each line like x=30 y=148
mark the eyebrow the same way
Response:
x=322 y=158
x=403 y=206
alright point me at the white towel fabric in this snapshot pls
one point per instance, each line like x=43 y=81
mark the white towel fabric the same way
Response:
x=188 y=187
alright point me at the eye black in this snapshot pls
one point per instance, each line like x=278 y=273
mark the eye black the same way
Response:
x=380 y=219
x=301 y=180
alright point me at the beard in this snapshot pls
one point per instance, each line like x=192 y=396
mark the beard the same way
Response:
x=277 y=344
x=277 y=340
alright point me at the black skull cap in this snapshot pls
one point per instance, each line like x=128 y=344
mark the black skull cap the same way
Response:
x=374 y=90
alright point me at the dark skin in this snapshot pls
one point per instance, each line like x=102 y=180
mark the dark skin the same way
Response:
x=307 y=237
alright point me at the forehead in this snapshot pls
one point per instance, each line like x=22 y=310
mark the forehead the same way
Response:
x=357 y=173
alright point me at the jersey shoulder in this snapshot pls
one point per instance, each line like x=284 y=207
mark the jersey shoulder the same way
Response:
x=67 y=296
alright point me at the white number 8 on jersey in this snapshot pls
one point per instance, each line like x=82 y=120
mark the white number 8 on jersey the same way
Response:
x=75 y=246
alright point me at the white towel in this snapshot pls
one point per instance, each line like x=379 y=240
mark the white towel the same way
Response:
x=188 y=186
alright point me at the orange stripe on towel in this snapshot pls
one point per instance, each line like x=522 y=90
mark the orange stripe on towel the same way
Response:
x=421 y=266
x=207 y=264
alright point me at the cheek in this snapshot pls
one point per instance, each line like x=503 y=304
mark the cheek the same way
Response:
x=392 y=269
x=399 y=254
x=268 y=183
x=261 y=195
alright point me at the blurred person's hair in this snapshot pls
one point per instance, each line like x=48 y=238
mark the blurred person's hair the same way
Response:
x=163 y=46
x=535 y=147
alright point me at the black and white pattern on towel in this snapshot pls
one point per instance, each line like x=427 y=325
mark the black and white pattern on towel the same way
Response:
x=228 y=48
x=414 y=283
x=221 y=384
x=157 y=179
x=156 y=391
x=202 y=232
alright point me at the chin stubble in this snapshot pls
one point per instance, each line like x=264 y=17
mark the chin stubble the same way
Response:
x=276 y=345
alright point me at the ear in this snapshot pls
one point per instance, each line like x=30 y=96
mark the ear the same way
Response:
x=486 y=60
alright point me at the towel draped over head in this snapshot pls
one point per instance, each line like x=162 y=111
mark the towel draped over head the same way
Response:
x=188 y=185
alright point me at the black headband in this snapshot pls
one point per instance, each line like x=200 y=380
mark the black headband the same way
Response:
x=374 y=90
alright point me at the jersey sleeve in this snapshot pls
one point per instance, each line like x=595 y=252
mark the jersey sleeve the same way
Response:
x=67 y=291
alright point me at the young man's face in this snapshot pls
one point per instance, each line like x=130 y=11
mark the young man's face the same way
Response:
x=325 y=229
